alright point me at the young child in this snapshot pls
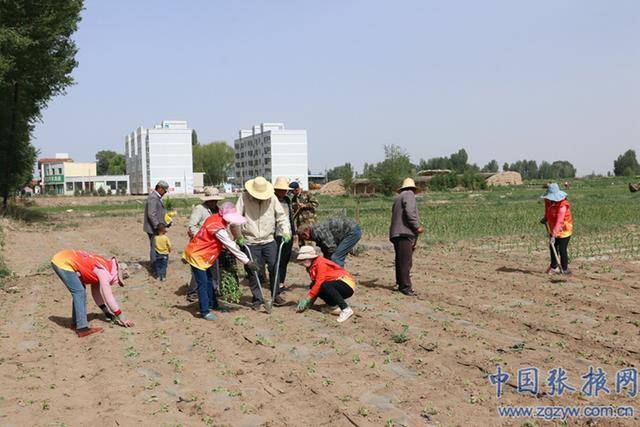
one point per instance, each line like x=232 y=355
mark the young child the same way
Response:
x=330 y=282
x=557 y=216
x=163 y=247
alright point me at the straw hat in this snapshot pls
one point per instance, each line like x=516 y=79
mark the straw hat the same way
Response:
x=212 y=194
x=282 y=183
x=307 y=252
x=554 y=193
x=259 y=188
x=408 y=184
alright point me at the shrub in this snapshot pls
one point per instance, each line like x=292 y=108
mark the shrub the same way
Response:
x=101 y=192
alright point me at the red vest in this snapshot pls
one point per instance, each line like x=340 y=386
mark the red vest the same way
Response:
x=551 y=213
x=204 y=248
x=82 y=263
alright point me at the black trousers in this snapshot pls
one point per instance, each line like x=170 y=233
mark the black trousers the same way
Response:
x=403 y=247
x=561 y=246
x=334 y=293
x=263 y=254
x=285 y=258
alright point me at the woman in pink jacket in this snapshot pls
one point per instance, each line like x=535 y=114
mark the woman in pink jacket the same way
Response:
x=77 y=269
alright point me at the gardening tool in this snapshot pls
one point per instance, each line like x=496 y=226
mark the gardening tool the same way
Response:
x=274 y=286
x=257 y=277
x=553 y=247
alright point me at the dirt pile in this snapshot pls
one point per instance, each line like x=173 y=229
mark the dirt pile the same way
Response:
x=333 y=188
x=505 y=178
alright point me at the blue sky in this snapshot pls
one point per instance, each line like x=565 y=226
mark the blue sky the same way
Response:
x=506 y=80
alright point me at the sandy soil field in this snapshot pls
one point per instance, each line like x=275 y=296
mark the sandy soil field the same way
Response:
x=477 y=309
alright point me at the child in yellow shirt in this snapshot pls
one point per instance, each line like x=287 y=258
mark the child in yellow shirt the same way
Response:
x=163 y=247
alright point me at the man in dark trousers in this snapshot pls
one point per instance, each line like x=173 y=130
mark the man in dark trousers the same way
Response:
x=403 y=233
x=153 y=215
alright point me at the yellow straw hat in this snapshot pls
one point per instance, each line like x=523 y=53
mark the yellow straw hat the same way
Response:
x=259 y=188
x=282 y=183
x=408 y=184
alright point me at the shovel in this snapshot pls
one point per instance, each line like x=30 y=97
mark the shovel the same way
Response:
x=266 y=306
x=553 y=249
x=274 y=285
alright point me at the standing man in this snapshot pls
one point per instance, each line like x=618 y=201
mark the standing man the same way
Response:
x=304 y=206
x=335 y=237
x=199 y=214
x=154 y=214
x=281 y=188
x=263 y=212
x=403 y=233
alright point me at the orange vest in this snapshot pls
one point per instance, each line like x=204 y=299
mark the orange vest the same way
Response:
x=83 y=263
x=323 y=270
x=551 y=213
x=204 y=248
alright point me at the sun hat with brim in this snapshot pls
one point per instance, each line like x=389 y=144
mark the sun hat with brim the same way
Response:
x=231 y=215
x=307 y=252
x=212 y=194
x=554 y=193
x=408 y=184
x=282 y=183
x=259 y=188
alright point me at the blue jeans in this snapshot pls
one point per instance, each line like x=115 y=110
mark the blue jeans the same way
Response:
x=78 y=295
x=206 y=297
x=345 y=246
x=160 y=265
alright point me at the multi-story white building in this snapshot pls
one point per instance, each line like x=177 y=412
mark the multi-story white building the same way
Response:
x=270 y=150
x=161 y=153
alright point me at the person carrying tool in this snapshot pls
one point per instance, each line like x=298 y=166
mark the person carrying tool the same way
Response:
x=199 y=215
x=263 y=213
x=403 y=233
x=559 y=222
x=330 y=282
x=77 y=269
x=281 y=188
x=336 y=237
x=204 y=249
x=304 y=205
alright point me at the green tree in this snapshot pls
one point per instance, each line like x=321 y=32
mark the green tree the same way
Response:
x=194 y=137
x=37 y=56
x=505 y=167
x=626 y=164
x=214 y=159
x=103 y=160
x=492 y=166
x=343 y=172
x=117 y=165
x=387 y=175
x=563 y=169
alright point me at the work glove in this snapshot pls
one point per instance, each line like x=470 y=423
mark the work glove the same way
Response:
x=252 y=267
x=241 y=242
x=302 y=305
x=286 y=238
x=107 y=312
x=121 y=320
x=552 y=240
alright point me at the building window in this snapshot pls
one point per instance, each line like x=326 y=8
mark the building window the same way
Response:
x=178 y=184
x=69 y=186
x=111 y=185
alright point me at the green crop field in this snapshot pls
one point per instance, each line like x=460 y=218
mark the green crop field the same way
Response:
x=605 y=215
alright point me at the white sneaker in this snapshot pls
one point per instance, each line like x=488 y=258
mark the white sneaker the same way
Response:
x=345 y=314
x=335 y=311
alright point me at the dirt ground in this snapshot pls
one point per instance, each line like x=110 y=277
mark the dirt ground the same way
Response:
x=477 y=308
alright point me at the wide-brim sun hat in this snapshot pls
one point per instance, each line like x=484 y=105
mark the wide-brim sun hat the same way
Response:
x=259 y=188
x=282 y=183
x=231 y=215
x=307 y=252
x=212 y=194
x=554 y=193
x=408 y=184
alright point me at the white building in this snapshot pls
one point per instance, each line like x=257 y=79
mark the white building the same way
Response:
x=161 y=153
x=270 y=150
